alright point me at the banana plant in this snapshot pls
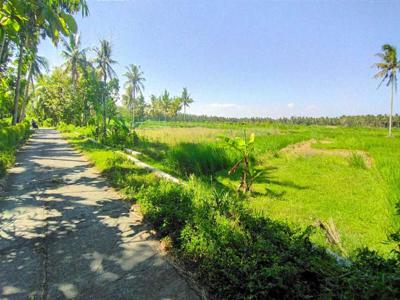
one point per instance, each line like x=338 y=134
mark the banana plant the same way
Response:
x=245 y=148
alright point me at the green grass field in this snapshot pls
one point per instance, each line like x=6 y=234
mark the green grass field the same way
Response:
x=300 y=187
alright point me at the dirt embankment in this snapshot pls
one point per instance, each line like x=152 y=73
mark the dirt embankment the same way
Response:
x=306 y=148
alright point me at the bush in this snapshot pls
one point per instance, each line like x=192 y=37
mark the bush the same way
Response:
x=49 y=122
x=10 y=138
x=167 y=206
x=238 y=255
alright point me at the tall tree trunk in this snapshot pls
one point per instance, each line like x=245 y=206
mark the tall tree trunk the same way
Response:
x=184 y=112
x=85 y=110
x=391 y=110
x=18 y=82
x=3 y=47
x=25 y=100
x=104 y=107
x=133 y=109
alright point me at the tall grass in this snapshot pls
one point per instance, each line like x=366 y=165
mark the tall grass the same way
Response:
x=200 y=159
x=356 y=160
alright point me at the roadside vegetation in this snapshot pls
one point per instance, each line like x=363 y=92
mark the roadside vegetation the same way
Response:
x=10 y=138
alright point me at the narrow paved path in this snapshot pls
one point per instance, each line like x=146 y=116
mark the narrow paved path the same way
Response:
x=64 y=234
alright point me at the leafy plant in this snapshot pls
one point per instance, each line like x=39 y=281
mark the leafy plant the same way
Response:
x=245 y=147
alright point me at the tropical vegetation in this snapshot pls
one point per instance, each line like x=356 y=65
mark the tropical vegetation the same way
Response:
x=292 y=210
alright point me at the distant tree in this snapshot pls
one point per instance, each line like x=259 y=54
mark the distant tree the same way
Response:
x=165 y=103
x=174 y=107
x=186 y=101
x=140 y=107
x=104 y=63
x=134 y=85
x=155 y=109
x=387 y=72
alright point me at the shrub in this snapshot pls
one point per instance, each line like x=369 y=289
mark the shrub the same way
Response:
x=199 y=159
x=10 y=138
x=49 y=122
x=167 y=206
x=238 y=255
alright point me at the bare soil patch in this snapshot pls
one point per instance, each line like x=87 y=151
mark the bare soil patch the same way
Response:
x=306 y=148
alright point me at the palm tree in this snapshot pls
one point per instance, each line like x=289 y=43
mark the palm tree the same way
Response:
x=186 y=101
x=50 y=18
x=36 y=64
x=388 y=72
x=104 y=63
x=165 y=103
x=135 y=85
x=74 y=56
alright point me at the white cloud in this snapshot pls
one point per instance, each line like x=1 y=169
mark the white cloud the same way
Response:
x=290 y=105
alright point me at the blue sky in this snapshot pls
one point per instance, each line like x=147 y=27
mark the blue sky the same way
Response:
x=250 y=58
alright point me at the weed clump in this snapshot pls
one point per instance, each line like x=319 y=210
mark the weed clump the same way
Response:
x=356 y=160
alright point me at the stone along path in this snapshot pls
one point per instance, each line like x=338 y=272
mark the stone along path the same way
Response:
x=64 y=234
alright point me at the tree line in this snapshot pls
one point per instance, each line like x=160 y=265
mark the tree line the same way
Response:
x=351 y=121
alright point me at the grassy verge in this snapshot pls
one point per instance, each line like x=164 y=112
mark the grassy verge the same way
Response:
x=10 y=138
x=236 y=252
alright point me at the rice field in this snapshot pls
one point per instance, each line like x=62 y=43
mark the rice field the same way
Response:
x=348 y=175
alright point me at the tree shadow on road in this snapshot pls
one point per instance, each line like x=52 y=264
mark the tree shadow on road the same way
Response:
x=65 y=234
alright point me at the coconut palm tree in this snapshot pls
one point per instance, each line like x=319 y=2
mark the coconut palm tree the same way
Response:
x=165 y=103
x=75 y=56
x=186 y=101
x=135 y=85
x=104 y=63
x=387 y=72
x=51 y=18
x=36 y=65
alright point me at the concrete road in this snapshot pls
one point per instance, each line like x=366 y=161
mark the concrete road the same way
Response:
x=64 y=234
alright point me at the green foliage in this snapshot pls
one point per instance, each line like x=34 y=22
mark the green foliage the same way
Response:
x=119 y=134
x=245 y=148
x=356 y=160
x=239 y=255
x=10 y=138
x=372 y=277
x=167 y=206
x=200 y=159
